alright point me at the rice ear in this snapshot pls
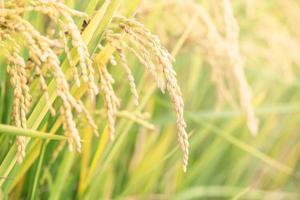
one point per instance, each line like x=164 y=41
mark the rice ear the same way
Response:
x=153 y=48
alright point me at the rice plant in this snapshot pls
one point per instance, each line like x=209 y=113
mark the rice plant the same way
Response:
x=94 y=96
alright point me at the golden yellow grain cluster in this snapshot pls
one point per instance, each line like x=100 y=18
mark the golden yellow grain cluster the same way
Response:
x=22 y=98
x=157 y=61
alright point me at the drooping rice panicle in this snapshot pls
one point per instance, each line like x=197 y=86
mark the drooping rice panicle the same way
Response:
x=137 y=32
x=22 y=98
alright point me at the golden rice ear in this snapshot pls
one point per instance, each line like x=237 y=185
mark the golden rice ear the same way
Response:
x=152 y=48
x=22 y=98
